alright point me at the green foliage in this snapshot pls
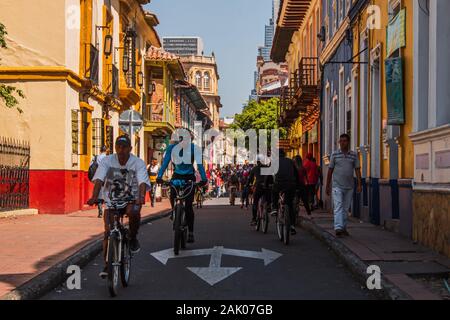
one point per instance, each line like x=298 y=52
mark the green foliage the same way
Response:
x=8 y=94
x=258 y=116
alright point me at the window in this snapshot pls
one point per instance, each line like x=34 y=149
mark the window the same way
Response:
x=207 y=81
x=329 y=115
x=75 y=132
x=348 y=111
x=198 y=79
x=335 y=123
x=98 y=136
x=84 y=132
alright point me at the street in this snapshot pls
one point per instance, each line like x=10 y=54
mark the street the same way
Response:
x=229 y=260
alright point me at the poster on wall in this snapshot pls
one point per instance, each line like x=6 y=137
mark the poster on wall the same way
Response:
x=394 y=91
x=396 y=35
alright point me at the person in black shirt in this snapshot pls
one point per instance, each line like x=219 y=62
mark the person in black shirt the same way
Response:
x=286 y=180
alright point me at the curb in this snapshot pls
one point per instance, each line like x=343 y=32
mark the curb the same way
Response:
x=55 y=275
x=18 y=213
x=389 y=291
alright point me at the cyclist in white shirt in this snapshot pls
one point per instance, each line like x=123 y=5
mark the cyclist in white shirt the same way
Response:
x=121 y=174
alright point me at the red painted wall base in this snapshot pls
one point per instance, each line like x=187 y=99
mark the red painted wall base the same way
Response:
x=59 y=191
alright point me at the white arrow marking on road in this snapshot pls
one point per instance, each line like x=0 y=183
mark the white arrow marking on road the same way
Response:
x=267 y=255
x=215 y=273
x=164 y=255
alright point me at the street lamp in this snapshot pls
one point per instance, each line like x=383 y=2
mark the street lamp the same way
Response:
x=140 y=79
x=107 y=48
x=125 y=63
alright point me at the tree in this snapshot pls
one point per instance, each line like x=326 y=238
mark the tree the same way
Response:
x=262 y=115
x=9 y=94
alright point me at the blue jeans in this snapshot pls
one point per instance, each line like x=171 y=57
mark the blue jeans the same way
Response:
x=342 y=200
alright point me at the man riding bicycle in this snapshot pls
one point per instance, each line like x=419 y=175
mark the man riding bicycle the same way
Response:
x=286 y=180
x=255 y=174
x=184 y=170
x=121 y=175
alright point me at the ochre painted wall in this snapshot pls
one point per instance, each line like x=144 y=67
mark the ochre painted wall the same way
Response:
x=378 y=36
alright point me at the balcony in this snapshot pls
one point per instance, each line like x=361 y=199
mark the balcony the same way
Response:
x=302 y=95
x=157 y=119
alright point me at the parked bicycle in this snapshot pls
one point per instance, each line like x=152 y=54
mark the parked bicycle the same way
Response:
x=283 y=219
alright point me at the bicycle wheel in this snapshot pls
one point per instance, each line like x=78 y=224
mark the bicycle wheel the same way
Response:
x=280 y=226
x=113 y=264
x=184 y=230
x=265 y=219
x=259 y=215
x=177 y=230
x=125 y=266
x=287 y=225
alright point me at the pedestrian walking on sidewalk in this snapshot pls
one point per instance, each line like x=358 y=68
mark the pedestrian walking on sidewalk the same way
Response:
x=340 y=182
x=312 y=172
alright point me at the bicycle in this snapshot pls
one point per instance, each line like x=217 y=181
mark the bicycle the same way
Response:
x=182 y=190
x=118 y=256
x=283 y=220
x=262 y=218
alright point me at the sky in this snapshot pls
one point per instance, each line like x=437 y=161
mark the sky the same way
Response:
x=233 y=29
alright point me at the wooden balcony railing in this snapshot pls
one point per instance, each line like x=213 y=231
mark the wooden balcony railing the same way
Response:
x=302 y=91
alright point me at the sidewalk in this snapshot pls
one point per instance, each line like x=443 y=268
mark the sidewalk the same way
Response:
x=33 y=244
x=409 y=271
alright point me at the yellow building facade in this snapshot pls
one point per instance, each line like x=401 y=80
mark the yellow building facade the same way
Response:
x=380 y=95
x=79 y=64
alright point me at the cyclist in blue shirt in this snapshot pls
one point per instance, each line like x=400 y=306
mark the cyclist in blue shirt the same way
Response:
x=184 y=171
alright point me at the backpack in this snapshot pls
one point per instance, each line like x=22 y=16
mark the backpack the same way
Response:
x=92 y=169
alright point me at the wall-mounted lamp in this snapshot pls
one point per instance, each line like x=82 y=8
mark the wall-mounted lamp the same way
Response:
x=108 y=45
x=140 y=79
x=125 y=63
x=321 y=34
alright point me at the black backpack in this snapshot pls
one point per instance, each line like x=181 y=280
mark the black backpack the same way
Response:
x=92 y=169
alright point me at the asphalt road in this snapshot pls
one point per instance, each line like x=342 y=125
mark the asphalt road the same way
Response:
x=306 y=269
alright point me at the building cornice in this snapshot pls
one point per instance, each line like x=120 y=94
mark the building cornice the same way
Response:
x=430 y=134
x=332 y=45
x=55 y=73
x=42 y=73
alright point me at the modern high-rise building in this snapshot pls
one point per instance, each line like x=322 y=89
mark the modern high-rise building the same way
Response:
x=183 y=46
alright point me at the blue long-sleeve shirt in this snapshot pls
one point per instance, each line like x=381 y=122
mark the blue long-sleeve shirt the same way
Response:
x=184 y=168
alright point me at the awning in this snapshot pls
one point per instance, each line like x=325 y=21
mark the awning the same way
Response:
x=192 y=93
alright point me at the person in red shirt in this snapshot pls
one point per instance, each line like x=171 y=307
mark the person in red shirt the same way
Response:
x=301 y=190
x=312 y=174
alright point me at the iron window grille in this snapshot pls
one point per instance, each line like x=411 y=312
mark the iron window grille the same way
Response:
x=98 y=136
x=130 y=52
